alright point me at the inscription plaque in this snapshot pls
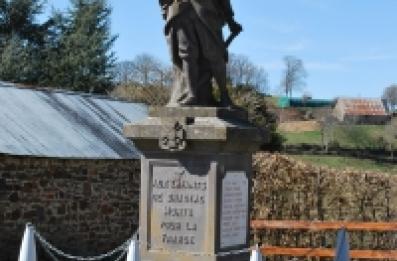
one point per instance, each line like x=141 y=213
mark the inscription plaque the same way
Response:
x=234 y=212
x=178 y=213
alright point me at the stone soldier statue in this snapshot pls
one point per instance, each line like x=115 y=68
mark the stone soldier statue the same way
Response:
x=198 y=50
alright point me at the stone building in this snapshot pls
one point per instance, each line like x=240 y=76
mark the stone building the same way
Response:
x=362 y=111
x=66 y=168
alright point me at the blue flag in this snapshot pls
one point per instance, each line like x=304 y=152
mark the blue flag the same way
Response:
x=342 y=246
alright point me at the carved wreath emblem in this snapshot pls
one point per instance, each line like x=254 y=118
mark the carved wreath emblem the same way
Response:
x=174 y=138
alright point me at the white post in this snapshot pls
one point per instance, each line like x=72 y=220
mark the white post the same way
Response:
x=133 y=251
x=256 y=254
x=28 y=246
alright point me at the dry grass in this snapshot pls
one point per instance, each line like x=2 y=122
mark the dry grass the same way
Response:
x=299 y=126
x=151 y=95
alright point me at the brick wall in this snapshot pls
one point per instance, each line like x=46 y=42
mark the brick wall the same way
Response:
x=82 y=206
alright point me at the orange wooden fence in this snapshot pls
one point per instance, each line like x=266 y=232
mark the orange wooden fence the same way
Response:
x=258 y=225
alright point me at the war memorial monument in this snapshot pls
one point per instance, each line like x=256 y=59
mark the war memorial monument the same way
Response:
x=196 y=151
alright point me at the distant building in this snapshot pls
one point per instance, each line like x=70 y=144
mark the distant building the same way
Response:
x=311 y=103
x=66 y=167
x=301 y=109
x=305 y=102
x=361 y=111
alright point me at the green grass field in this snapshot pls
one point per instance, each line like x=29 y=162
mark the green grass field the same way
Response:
x=307 y=137
x=342 y=163
x=357 y=136
x=352 y=137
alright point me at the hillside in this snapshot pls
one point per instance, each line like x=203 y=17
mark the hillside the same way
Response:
x=345 y=136
x=343 y=163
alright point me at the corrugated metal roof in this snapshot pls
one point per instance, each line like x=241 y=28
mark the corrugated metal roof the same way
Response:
x=363 y=107
x=65 y=124
x=315 y=103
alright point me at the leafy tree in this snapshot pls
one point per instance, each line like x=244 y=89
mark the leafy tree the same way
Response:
x=390 y=96
x=294 y=75
x=21 y=40
x=51 y=53
x=85 y=59
x=17 y=63
x=18 y=17
x=259 y=114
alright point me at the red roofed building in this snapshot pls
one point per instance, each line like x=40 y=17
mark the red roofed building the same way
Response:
x=358 y=110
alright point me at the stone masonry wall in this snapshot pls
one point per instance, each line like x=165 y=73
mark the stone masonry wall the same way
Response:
x=85 y=207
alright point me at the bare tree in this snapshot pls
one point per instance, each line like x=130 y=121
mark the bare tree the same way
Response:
x=260 y=80
x=390 y=136
x=242 y=71
x=164 y=76
x=327 y=131
x=144 y=79
x=390 y=96
x=294 y=75
x=146 y=69
x=236 y=68
x=123 y=72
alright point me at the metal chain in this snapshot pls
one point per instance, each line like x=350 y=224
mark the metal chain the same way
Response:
x=121 y=256
x=123 y=248
x=222 y=254
x=79 y=258
x=234 y=252
x=48 y=251
x=49 y=246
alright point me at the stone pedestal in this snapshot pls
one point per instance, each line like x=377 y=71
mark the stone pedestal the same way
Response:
x=195 y=183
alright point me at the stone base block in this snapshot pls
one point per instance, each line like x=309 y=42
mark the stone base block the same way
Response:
x=195 y=183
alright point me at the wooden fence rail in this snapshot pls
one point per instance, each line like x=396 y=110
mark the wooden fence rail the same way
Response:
x=258 y=225
x=324 y=225
x=327 y=252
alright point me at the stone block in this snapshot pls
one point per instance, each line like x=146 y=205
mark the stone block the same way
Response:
x=195 y=183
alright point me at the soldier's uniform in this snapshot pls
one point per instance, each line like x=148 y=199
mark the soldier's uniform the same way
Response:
x=194 y=34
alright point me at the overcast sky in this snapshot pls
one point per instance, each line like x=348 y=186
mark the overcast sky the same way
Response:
x=349 y=47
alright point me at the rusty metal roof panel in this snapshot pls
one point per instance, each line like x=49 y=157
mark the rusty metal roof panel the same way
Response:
x=363 y=107
x=65 y=124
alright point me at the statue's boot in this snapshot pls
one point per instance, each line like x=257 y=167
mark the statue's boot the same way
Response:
x=219 y=72
x=189 y=101
x=225 y=100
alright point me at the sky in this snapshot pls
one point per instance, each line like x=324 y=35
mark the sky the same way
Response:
x=349 y=47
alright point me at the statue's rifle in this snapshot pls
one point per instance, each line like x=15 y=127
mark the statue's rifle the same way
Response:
x=232 y=36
